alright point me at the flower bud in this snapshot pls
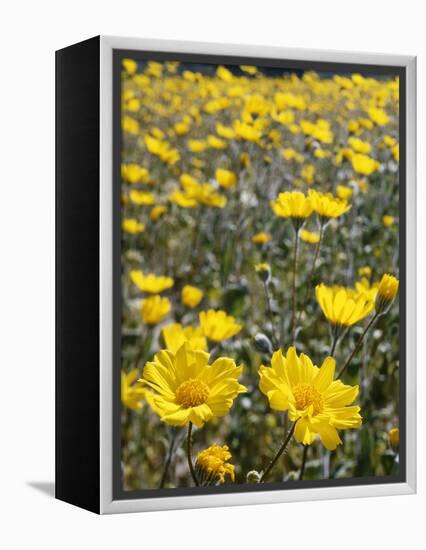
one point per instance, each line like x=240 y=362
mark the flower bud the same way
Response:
x=253 y=477
x=263 y=344
x=394 y=437
x=263 y=271
x=386 y=293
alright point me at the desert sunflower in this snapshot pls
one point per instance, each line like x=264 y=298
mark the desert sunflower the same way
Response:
x=318 y=404
x=309 y=236
x=218 y=326
x=133 y=226
x=327 y=206
x=191 y=296
x=154 y=309
x=211 y=465
x=150 y=282
x=175 y=335
x=294 y=205
x=186 y=389
x=132 y=395
x=343 y=307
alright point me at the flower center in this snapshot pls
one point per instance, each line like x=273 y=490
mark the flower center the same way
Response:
x=306 y=395
x=192 y=393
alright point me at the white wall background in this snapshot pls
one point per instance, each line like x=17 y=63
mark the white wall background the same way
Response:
x=30 y=32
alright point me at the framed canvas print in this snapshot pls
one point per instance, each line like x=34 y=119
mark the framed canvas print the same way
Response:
x=235 y=275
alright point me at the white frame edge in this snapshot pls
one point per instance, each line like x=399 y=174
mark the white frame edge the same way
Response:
x=107 y=504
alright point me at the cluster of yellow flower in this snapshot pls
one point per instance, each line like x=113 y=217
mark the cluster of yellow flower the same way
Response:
x=250 y=108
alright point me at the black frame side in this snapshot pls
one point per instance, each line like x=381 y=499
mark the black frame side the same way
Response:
x=77 y=468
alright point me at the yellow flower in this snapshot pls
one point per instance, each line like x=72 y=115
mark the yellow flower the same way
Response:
x=386 y=293
x=326 y=205
x=353 y=126
x=285 y=100
x=216 y=142
x=364 y=288
x=388 y=141
x=366 y=123
x=359 y=146
x=181 y=128
x=320 y=131
x=284 y=117
x=130 y=225
x=133 y=104
x=344 y=192
x=309 y=237
x=395 y=152
x=131 y=395
x=388 y=220
x=321 y=153
x=291 y=154
x=363 y=164
x=182 y=199
x=224 y=131
x=205 y=194
x=187 y=389
x=365 y=271
x=379 y=116
x=175 y=335
x=211 y=465
x=261 y=238
x=154 y=309
x=226 y=178
x=218 y=326
x=154 y=69
x=141 y=197
x=294 y=205
x=191 y=296
x=317 y=403
x=197 y=145
x=130 y=125
x=249 y=69
x=246 y=131
x=308 y=173
x=150 y=283
x=188 y=182
x=394 y=437
x=161 y=148
x=215 y=105
x=342 y=307
x=133 y=173
x=157 y=212
x=130 y=65
x=224 y=74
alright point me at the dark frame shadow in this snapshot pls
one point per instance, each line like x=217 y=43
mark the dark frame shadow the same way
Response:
x=46 y=487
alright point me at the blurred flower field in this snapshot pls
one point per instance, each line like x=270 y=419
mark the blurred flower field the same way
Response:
x=259 y=255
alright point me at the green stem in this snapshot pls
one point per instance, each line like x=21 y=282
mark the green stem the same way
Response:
x=189 y=453
x=270 y=315
x=279 y=453
x=335 y=336
x=169 y=458
x=294 y=298
x=302 y=468
x=312 y=272
x=358 y=344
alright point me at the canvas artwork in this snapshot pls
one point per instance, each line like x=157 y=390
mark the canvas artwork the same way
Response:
x=258 y=251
